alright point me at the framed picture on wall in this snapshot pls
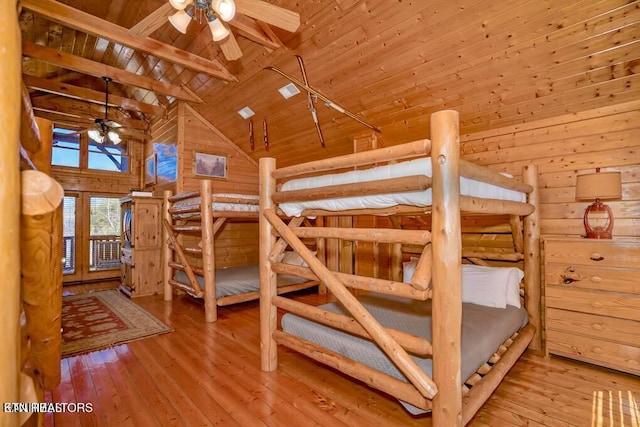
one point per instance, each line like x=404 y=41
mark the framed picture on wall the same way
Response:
x=210 y=166
x=150 y=170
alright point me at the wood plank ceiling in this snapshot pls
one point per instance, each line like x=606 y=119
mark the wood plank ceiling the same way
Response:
x=390 y=62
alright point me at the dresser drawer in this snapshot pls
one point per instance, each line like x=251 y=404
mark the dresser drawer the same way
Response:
x=599 y=253
x=611 y=328
x=624 y=306
x=613 y=355
x=593 y=277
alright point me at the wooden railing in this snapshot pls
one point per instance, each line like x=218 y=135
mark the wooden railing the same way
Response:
x=104 y=252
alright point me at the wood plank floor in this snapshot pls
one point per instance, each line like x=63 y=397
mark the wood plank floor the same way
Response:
x=209 y=374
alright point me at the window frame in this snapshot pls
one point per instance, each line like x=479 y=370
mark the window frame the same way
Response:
x=84 y=156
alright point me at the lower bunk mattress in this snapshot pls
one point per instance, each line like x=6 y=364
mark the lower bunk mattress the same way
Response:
x=484 y=329
x=238 y=280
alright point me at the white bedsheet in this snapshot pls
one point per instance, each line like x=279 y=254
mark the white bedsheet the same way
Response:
x=223 y=207
x=422 y=166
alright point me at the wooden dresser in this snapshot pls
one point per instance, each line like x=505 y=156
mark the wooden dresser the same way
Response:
x=592 y=301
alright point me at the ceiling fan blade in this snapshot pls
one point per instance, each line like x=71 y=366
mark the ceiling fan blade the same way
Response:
x=153 y=21
x=230 y=47
x=269 y=13
x=112 y=124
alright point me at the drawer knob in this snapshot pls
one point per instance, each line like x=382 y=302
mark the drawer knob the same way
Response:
x=596 y=304
x=597 y=350
x=596 y=279
x=597 y=326
x=596 y=257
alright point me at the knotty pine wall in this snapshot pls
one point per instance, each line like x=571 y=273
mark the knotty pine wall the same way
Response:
x=564 y=147
x=237 y=242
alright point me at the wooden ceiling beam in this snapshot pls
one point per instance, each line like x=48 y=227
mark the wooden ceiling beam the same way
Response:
x=73 y=122
x=98 y=69
x=152 y=22
x=84 y=110
x=249 y=28
x=97 y=97
x=91 y=24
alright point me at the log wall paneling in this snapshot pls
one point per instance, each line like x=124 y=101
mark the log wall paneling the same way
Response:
x=562 y=148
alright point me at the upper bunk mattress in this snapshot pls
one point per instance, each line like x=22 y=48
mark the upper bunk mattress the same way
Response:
x=239 y=280
x=222 y=206
x=484 y=329
x=422 y=166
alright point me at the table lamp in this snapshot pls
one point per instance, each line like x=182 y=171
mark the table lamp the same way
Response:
x=598 y=218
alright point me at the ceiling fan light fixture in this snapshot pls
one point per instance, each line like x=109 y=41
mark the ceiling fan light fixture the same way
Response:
x=114 y=137
x=180 y=21
x=95 y=135
x=180 y=4
x=226 y=9
x=218 y=30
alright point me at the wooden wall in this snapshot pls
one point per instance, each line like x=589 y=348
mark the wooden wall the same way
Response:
x=237 y=243
x=564 y=147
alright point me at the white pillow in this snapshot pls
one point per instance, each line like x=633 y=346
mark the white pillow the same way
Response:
x=408 y=268
x=292 y=257
x=491 y=286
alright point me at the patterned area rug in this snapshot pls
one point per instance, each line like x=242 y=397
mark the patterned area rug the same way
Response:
x=99 y=320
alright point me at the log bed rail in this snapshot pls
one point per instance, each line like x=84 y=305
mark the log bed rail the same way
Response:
x=451 y=402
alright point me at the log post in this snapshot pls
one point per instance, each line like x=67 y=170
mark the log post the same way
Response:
x=10 y=83
x=532 y=257
x=447 y=271
x=41 y=250
x=208 y=258
x=268 y=284
x=167 y=252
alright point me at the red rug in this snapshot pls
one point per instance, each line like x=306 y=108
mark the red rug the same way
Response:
x=99 y=320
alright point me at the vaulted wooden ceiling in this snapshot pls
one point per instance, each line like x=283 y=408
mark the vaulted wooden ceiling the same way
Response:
x=390 y=62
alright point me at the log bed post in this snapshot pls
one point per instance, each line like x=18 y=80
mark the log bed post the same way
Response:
x=167 y=253
x=447 y=272
x=532 y=257
x=268 y=284
x=208 y=258
x=10 y=80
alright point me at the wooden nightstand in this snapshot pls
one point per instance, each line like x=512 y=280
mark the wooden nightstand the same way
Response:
x=592 y=301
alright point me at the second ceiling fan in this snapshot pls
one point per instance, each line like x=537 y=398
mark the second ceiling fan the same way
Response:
x=219 y=14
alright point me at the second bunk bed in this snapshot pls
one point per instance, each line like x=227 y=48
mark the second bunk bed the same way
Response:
x=192 y=221
x=417 y=339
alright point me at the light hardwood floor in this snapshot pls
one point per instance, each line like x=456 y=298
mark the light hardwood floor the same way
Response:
x=209 y=374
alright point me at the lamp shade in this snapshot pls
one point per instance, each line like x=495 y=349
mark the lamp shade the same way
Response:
x=226 y=9
x=599 y=185
x=180 y=20
x=180 y=4
x=218 y=30
x=95 y=135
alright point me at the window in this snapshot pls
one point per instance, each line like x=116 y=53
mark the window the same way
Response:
x=73 y=149
x=104 y=233
x=69 y=235
x=91 y=242
x=66 y=148
x=108 y=157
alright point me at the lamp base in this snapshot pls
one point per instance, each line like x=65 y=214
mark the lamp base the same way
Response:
x=598 y=232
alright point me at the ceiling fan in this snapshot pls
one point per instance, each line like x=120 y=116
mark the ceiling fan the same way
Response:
x=219 y=14
x=105 y=130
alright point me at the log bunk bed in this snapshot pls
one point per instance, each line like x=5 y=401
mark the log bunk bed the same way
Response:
x=191 y=222
x=353 y=335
